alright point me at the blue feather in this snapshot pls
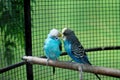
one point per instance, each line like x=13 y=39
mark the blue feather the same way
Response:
x=74 y=48
x=84 y=59
x=52 y=48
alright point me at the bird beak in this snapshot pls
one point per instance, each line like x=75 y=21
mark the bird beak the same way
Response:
x=59 y=35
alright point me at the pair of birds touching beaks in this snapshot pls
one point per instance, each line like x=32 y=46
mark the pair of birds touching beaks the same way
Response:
x=73 y=47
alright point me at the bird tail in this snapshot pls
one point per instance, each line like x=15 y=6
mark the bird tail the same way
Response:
x=95 y=73
x=53 y=70
x=86 y=61
x=97 y=76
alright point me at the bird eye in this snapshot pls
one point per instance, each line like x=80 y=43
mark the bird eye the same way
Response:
x=56 y=38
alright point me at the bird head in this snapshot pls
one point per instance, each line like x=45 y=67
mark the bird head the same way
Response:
x=55 y=33
x=66 y=32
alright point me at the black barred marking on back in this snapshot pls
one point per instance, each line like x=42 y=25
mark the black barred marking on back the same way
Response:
x=76 y=47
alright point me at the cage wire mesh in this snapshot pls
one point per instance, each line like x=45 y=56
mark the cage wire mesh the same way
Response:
x=96 y=24
x=12 y=38
x=14 y=74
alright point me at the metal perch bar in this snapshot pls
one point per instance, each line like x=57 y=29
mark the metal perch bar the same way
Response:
x=98 y=49
x=74 y=66
x=64 y=53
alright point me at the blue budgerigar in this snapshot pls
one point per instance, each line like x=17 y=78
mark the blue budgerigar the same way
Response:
x=53 y=46
x=74 y=48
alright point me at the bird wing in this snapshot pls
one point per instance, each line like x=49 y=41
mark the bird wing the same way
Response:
x=78 y=51
x=76 y=48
